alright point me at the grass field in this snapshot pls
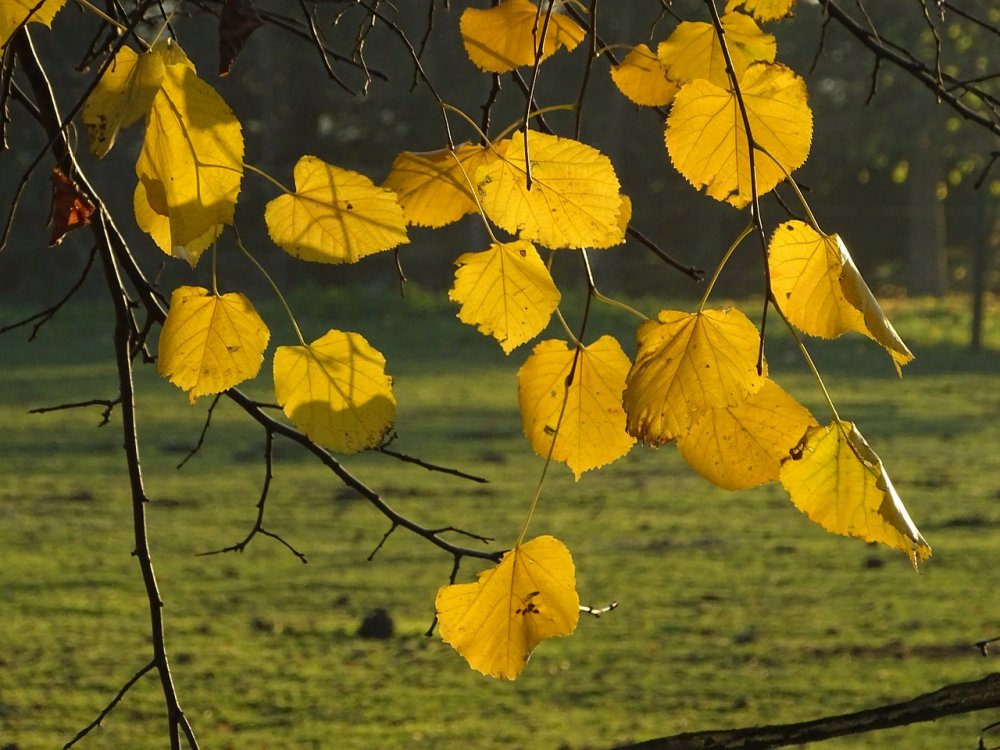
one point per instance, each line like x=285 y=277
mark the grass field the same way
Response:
x=734 y=609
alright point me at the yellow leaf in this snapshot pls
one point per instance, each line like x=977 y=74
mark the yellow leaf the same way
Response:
x=764 y=10
x=642 y=79
x=496 y=622
x=432 y=187
x=687 y=363
x=693 y=50
x=741 y=446
x=574 y=200
x=13 y=13
x=122 y=96
x=592 y=430
x=506 y=291
x=336 y=391
x=821 y=291
x=191 y=163
x=503 y=38
x=210 y=342
x=157 y=226
x=707 y=140
x=836 y=479
x=334 y=215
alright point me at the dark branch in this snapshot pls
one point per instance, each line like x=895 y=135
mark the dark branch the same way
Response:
x=110 y=707
x=952 y=700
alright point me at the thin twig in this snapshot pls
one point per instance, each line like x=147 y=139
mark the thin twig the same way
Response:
x=110 y=707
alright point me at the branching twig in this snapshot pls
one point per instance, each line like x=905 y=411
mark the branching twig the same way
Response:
x=204 y=432
x=431 y=467
x=108 y=404
x=44 y=316
x=110 y=707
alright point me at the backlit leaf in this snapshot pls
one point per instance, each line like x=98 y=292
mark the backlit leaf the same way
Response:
x=836 y=479
x=821 y=291
x=693 y=51
x=335 y=215
x=642 y=79
x=506 y=291
x=210 y=342
x=123 y=95
x=336 y=391
x=157 y=226
x=71 y=208
x=763 y=10
x=432 y=187
x=688 y=363
x=741 y=446
x=496 y=622
x=191 y=163
x=13 y=13
x=707 y=141
x=592 y=431
x=505 y=37
x=574 y=200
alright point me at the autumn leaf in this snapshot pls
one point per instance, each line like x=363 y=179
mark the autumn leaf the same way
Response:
x=642 y=79
x=71 y=209
x=836 y=479
x=335 y=215
x=763 y=10
x=707 y=140
x=496 y=622
x=14 y=13
x=336 y=391
x=693 y=51
x=592 y=430
x=506 y=291
x=687 y=363
x=210 y=342
x=504 y=37
x=191 y=163
x=821 y=291
x=741 y=446
x=238 y=20
x=574 y=200
x=432 y=187
x=123 y=95
x=157 y=226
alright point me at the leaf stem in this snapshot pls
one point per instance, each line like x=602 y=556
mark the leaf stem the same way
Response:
x=260 y=172
x=474 y=193
x=722 y=263
x=105 y=17
x=795 y=188
x=569 y=331
x=809 y=361
x=274 y=287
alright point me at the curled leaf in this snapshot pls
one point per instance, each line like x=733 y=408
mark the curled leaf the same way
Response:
x=642 y=79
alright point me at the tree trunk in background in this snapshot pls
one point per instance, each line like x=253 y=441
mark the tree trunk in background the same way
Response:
x=927 y=266
x=982 y=261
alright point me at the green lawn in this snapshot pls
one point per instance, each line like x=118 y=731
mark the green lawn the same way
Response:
x=734 y=609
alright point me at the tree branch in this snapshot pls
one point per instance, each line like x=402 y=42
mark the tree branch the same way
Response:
x=951 y=700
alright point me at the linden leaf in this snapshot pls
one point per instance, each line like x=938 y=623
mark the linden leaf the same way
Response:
x=589 y=381
x=191 y=164
x=335 y=215
x=506 y=291
x=707 y=141
x=642 y=79
x=210 y=342
x=687 y=363
x=836 y=479
x=433 y=188
x=821 y=291
x=574 y=200
x=741 y=446
x=14 y=13
x=157 y=226
x=123 y=95
x=763 y=10
x=496 y=622
x=693 y=50
x=505 y=37
x=336 y=391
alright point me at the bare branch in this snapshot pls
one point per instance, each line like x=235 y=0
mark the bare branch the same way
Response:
x=110 y=707
x=952 y=700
